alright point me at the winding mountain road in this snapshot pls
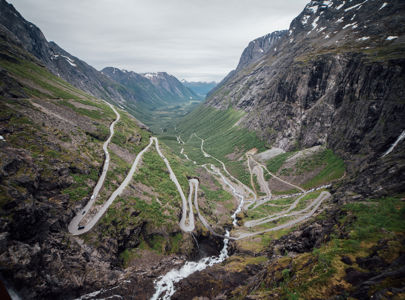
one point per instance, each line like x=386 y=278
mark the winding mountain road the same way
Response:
x=249 y=190
x=187 y=222
x=323 y=196
x=259 y=173
x=73 y=226
x=185 y=225
x=278 y=178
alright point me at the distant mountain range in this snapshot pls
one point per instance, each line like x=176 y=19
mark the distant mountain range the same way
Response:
x=140 y=94
x=199 y=87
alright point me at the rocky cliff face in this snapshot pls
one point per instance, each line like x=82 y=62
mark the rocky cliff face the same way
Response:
x=260 y=47
x=335 y=78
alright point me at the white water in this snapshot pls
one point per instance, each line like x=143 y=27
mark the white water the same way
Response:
x=242 y=199
x=166 y=283
x=164 y=286
x=400 y=138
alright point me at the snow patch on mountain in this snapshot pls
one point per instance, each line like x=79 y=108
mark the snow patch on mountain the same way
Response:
x=68 y=59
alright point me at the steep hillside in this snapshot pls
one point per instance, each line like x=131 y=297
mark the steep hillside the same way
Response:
x=140 y=95
x=58 y=61
x=327 y=101
x=335 y=79
x=51 y=157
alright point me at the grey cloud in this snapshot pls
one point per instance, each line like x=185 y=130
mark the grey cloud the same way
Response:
x=192 y=39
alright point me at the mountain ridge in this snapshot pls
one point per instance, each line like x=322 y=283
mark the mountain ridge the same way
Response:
x=297 y=156
x=354 y=58
x=87 y=78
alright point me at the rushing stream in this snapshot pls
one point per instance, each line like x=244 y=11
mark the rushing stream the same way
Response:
x=164 y=286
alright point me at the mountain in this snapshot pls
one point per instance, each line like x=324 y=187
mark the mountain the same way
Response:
x=294 y=167
x=58 y=61
x=164 y=97
x=171 y=88
x=53 y=140
x=335 y=78
x=160 y=87
x=199 y=87
x=259 y=47
x=139 y=94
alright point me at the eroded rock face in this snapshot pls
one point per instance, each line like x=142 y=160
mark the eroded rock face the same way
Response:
x=332 y=80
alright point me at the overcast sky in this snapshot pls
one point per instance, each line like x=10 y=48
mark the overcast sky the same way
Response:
x=191 y=39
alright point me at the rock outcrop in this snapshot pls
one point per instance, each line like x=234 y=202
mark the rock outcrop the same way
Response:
x=335 y=78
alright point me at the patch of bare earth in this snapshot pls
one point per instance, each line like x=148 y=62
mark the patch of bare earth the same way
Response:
x=81 y=105
x=124 y=154
x=31 y=84
x=279 y=186
x=64 y=113
x=141 y=191
x=302 y=178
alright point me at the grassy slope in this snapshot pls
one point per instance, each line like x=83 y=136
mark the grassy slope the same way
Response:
x=222 y=136
x=87 y=155
x=374 y=227
x=327 y=165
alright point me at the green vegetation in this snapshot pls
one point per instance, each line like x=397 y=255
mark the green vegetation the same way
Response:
x=285 y=192
x=362 y=227
x=40 y=82
x=162 y=117
x=153 y=173
x=267 y=209
x=275 y=163
x=240 y=170
x=332 y=166
x=220 y=129
x=156 y=243
x=216 y=196
x=223 y=138
x=375 y=54
x=214 y=200
x=318 y=168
